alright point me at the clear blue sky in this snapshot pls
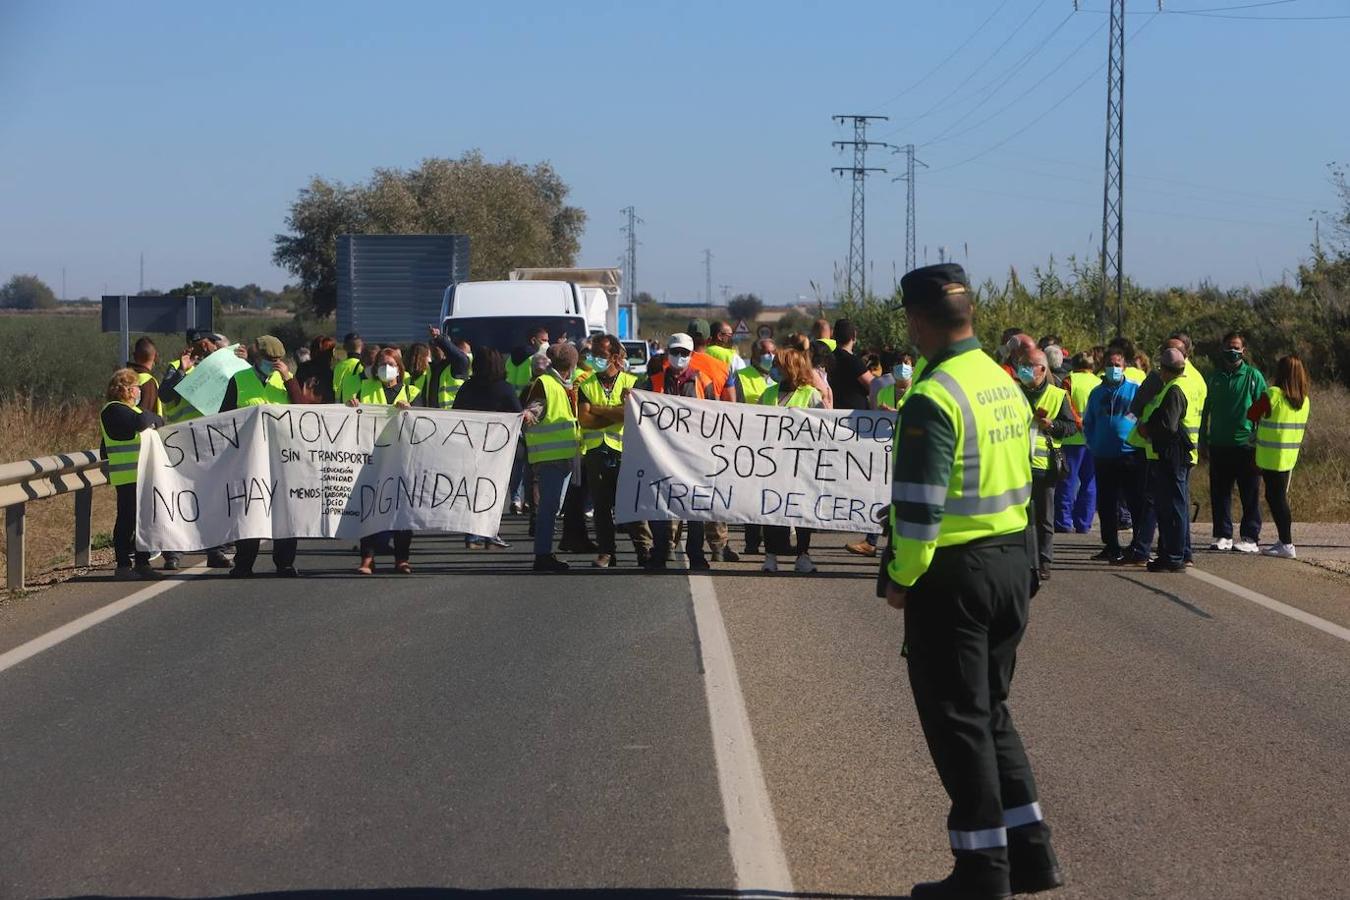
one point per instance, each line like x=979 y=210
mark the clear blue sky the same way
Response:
x=184 y=130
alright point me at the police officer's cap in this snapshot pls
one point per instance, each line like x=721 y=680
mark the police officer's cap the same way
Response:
x=930 y=285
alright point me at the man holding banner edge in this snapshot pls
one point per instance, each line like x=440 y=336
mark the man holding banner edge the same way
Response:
x=960 y=570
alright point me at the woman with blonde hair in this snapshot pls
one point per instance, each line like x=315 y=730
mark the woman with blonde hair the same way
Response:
x=796 y=389
x=121 y=421
x=1281 y=418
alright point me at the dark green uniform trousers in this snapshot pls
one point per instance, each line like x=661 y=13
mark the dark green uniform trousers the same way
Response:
x=964 y=618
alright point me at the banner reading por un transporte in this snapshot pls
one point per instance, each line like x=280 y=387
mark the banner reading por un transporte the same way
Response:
x=322 y=471
x=733 y=462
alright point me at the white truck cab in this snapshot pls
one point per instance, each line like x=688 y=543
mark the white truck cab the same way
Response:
x=499 y=313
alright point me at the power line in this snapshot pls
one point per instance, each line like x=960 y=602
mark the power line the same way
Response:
x=946 y=58
x=1044 y=78
x=973 y=72
x=1056 y=105
x=1001 y=81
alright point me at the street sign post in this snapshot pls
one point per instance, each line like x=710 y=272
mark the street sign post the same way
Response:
x=741 y=332
x=158 y=314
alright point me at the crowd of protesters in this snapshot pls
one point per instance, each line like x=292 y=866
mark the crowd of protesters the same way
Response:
x=1115 y=434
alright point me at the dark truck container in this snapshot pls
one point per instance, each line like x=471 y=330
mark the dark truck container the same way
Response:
x=390 y=285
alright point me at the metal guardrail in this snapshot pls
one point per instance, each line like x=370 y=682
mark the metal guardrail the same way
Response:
x=37 y=479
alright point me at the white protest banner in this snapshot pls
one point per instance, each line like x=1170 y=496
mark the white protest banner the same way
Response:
x=322 y=471
x=701 y=460
x=204 y=387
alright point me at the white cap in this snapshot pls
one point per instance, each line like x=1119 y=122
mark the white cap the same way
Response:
x=680 y=341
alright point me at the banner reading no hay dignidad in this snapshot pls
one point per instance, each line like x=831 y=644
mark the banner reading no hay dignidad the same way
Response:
x=732 y=462
x=322 y=471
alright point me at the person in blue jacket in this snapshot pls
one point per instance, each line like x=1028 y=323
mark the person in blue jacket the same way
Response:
x=1120 y=467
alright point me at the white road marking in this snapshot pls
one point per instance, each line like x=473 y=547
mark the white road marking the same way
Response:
x=756 y=848
x=1272 y=604
x=32 y=648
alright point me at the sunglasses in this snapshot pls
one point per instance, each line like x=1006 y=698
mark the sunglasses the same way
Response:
x=677 y=352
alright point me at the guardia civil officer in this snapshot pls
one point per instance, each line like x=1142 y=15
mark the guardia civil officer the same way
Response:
x=960 y=570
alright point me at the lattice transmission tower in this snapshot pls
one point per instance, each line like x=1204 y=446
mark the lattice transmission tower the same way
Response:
x=911 y=231
x=857 y=229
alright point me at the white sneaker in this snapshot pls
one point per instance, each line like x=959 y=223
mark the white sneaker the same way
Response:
x=1222 y=544
x=770 y=563
x=1283 y=551
x=1246 y=546
x=804 y=565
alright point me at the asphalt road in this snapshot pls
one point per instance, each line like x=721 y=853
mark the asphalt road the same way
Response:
x=474 y=726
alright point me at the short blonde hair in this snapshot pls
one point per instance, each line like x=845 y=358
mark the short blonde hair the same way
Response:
x=795 y=367
x=121 y=385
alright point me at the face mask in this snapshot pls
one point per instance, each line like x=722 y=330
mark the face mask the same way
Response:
x=678 y=363
x=1026 y=375
x=387 y=372
x=1115 y=374
x=766 y=361
x=135 y=399
x=1232 y=356
x=266 y=366
x=903 y=372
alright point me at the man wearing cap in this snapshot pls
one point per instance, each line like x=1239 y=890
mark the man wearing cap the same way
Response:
x=1172 y=453
x=959 y=567
x=679 y=378
x=267 y=381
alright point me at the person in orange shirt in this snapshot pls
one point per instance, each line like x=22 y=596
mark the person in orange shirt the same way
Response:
x=719 y=374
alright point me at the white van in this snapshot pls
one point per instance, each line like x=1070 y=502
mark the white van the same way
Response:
x=499 y=313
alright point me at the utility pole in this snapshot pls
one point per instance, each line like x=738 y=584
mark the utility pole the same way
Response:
x=630 y=262
x=726 y=291
x=142 y=289
x=1113 y=189
x=707 y=278
x=1113 y=192
x=857 y=241
x=910 y=231
x=63 y=282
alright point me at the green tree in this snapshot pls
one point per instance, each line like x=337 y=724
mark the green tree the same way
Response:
x=26 y=292
x=515 y=216
x=745 y=306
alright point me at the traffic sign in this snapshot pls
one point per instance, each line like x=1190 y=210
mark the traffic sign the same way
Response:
x=741 y=332
x=765 y=332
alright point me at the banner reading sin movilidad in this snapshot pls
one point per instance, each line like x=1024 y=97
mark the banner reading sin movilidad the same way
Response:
x=322 y=471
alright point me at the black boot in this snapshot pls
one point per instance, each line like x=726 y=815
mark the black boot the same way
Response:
x=1032 y=861
x=977 y=875
x=549 y=563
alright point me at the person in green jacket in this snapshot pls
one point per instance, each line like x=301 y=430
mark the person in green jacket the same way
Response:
x=1226 y=440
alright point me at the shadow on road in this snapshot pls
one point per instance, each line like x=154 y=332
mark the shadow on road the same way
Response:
x=542 y=893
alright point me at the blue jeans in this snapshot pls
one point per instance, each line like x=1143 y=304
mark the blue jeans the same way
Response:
x=1171 y=499
x=552 y=478
x=1076 y=495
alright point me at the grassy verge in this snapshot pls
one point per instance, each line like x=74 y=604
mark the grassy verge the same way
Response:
x=1320 y=488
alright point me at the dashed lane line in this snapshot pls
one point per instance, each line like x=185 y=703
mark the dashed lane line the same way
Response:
x=1272 y=604
x=12 y=658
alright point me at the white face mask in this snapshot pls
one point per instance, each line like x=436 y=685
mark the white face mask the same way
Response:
x=678 y=363
x=387 y=372
x=135 y=398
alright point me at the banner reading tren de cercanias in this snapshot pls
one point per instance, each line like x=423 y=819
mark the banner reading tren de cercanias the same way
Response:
x=733 y=462
x=322 y=471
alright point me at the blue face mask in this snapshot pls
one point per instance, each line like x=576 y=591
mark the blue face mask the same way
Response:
x=1115 y=374
x=766 y=361
x=903 y=372
x=266 y=366
x=1026 y=375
